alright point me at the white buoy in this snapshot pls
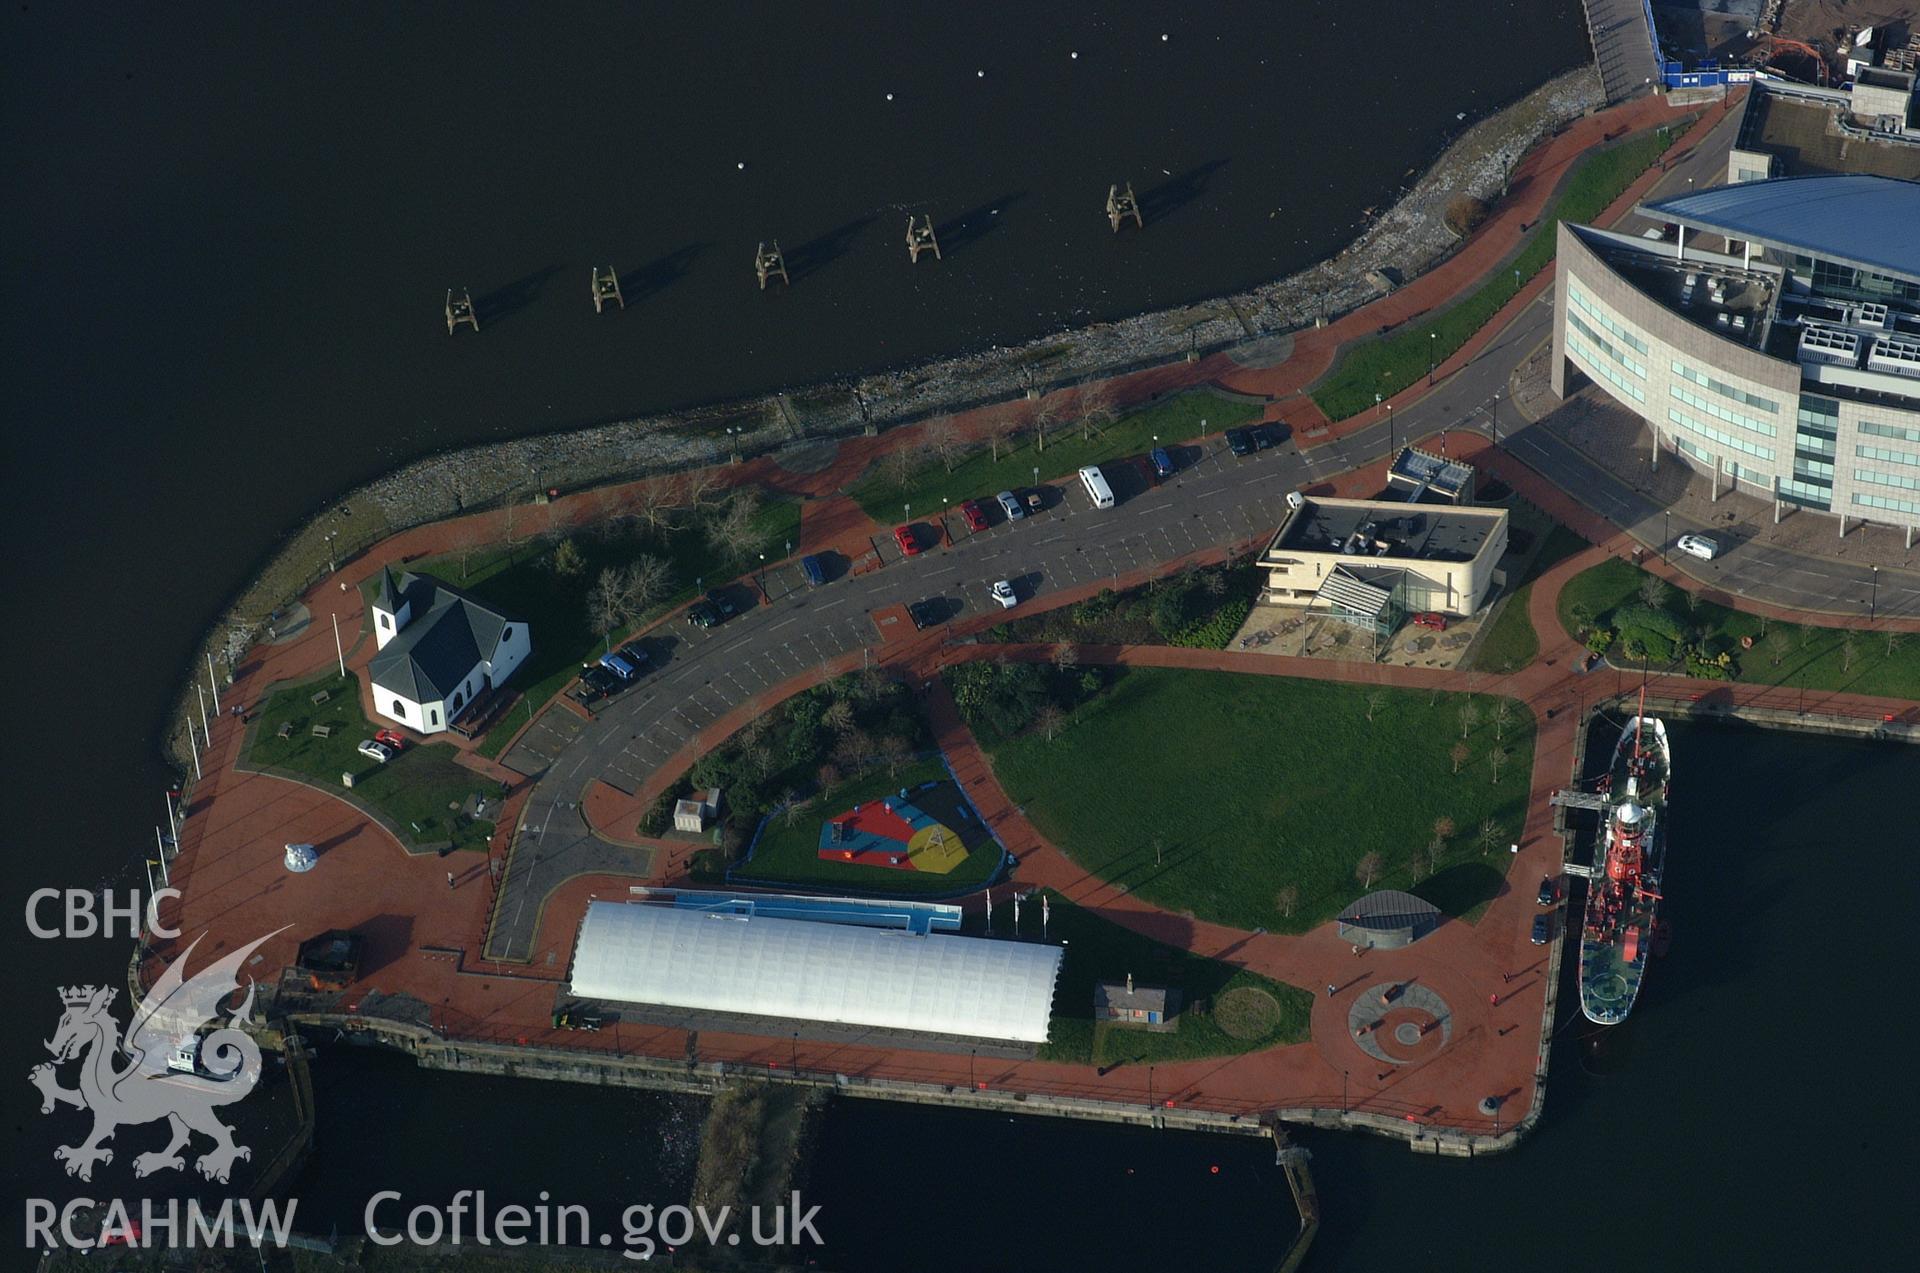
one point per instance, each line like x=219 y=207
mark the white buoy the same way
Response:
x=889 y=96
x=980 y=75
x=1075 y=55
x=1163 y=37
x=742 y=165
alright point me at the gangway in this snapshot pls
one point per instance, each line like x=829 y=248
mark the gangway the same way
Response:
x=1580 y=799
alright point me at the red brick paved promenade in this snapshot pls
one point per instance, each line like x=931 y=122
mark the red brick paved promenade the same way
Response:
x=236 y=888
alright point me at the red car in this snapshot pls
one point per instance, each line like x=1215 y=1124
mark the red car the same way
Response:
x=1431 y=619
x=973 y=515
x=390 y=738
x=908 y=541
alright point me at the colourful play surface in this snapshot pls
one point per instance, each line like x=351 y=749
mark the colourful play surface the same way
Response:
x=892 y=833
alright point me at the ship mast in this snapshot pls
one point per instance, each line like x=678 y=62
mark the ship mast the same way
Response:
x=1640 y=713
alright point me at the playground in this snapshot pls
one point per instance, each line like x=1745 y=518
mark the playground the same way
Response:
x=896 y=833
x=940 y=843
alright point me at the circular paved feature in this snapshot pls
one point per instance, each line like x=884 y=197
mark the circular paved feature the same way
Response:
x=1399 y=1023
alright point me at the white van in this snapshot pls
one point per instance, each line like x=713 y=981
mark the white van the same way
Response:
x=1097 y=489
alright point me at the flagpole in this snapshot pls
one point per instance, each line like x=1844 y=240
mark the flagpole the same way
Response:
x=172 y=825
x=150 y=888
x=203 y=715
x=989 y=911
x=337 y=651
x=195 y=745
x=213 y=682
x=163 y=854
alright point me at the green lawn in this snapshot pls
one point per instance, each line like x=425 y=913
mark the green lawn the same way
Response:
x=931 y=487
x=1812 y=658
x=1392 y=363
x=1211 y=792
x=789 y=854
x=1100 y=950
x=411 y=792
x=521 y=581
x=1510 y=642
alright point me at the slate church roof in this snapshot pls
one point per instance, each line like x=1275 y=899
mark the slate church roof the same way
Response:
x=447 y=635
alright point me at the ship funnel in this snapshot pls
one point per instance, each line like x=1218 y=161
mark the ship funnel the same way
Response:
x=1630 y=813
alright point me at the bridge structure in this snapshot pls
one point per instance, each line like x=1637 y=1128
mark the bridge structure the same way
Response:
x=1624 y=46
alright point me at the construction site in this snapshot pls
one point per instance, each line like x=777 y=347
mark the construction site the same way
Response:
x=1820 y=42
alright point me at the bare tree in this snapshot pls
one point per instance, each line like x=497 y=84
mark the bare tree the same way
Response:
x=1488 y=835
x=1045 y=414
x=839 y=716
x=790 y=805
x=702 y=487
x=1417 y=869
x=1443 y=828
x=1436 y=849
x=828 y=776
x=1065 y=657
x=604 y=603
x=1287 y=900
x=1653 y=591
x=895 y=751
x=760 y=758
x=1849 y=646
x=736 y=531
x=1094 y=406
x=1495 y=759
x=999 y=430
x=656 y=500
x=1367 y=870
x=1375 y=700
x=897 y=465
x=644 y=583
x=1159 y=851
x=943 y=438
x=852 y=750
x=1502 y=709
x=1049 y=722
x=1778 y=644
x=1895 y=640
x=1459 y=752
x=1469 y=717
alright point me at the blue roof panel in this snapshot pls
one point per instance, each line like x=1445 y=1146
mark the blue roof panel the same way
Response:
x=1854 y=218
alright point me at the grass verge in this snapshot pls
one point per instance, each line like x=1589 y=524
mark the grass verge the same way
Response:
x=931 y=486
x=1815 y=658
x=1392 y=363
x=1099 y=950
x=411 y=793
x=1255 y=800
x=1511 y=642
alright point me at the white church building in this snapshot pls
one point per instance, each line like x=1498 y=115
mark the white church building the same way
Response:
x=440 y=651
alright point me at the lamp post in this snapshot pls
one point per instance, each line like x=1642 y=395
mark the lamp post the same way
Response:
x=332 y=566
x=1433 y=339
x=1343 y=1091
x=1873 y=600
x=1392 y=446
x=796 y=1052
x=1149 y=1087
x=1493 y=419
x=973 y=1076
x=1666 y=534
x=763 y=580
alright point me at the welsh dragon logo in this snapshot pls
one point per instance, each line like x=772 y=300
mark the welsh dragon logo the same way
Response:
x=154 y=1085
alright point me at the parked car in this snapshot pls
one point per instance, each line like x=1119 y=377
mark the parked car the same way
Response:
x=635 y=653
x=1010 y=506
x=908 y=540
x=1240 y=441
x=813 y=570
x=595 y=684
x=619 y=666
x=375 y=750
x=1542 y=931
x=1162 y=462
x=1431 y=619
x=390 y=738
x=926 y=612
x=721 y=602
x=1549 y=891
x=1698 y=546
x=1037 y=498
x=974 y=516
x=1262 y=436
x=704 y=614
x=1003 y=593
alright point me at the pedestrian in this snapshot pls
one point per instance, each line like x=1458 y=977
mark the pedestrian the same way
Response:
x=1494 y=998
x=449 y=879
x=1329 y=990
x=1513 y=848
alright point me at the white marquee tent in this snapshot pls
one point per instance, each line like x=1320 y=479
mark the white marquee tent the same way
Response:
x=815 y=971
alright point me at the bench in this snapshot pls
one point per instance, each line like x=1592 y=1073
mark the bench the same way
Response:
x=320 y=697
x=322 y=731
x=285 y=730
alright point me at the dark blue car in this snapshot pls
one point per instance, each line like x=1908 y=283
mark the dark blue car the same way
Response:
x=1162 y=462
x=813 y=570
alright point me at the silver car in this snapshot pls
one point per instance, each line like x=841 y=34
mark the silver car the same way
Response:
x=373 y=749
x=1004 y=594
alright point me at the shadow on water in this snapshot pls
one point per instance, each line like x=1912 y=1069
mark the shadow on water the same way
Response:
x=639 y=282
x=825 y=249
x=493 y=306
x=1177 y=192
x=975 y=223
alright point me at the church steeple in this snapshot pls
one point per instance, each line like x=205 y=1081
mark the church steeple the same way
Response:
x=390 y=608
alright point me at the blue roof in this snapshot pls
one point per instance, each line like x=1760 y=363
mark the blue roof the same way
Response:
x=1855 y=219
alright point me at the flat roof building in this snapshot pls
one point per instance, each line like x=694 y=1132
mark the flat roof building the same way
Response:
x=1384 y=556
x=1775 y=345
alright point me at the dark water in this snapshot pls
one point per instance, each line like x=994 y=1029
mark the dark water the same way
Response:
x=228 y=231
